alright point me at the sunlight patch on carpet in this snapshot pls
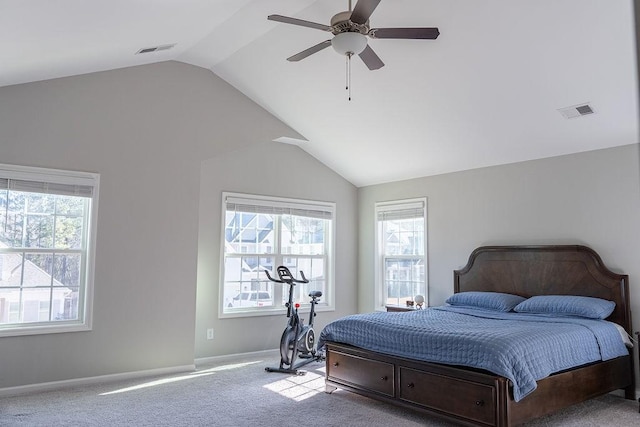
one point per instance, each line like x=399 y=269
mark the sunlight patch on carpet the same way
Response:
x=298 y=387
x=191 y=376
x=229 y=367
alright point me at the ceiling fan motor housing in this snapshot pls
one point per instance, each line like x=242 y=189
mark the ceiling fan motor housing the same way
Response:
x=341 y=23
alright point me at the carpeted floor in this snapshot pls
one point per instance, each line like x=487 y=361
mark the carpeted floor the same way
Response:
x=241 y=393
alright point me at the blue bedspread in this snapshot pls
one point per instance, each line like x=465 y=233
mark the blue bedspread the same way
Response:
x=521 y=347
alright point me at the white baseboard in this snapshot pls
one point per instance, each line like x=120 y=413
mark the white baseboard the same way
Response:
x=53 y=385
x=232 y=357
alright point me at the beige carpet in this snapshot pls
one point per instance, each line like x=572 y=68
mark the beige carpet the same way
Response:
x=241 y=393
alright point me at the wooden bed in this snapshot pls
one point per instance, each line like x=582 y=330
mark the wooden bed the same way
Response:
x=475 y=397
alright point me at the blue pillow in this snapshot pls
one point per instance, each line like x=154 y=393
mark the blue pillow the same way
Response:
x=567 y=305
x=488 y=300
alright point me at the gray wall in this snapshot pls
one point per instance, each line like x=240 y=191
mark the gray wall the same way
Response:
x=285 y=171
x=146 y=130
x=591 y=198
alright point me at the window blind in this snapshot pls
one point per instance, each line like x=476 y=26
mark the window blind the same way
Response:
x=47 y=181
x=279 y=207
x=46 y=187
x=401 y=211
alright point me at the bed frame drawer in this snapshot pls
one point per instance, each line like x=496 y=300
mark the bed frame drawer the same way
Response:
x=466 y=399
x=357 y=372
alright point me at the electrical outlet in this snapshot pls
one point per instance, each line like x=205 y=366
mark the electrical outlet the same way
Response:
x=210 y=333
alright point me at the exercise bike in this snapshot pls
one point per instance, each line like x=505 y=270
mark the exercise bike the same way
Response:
x=298 y=340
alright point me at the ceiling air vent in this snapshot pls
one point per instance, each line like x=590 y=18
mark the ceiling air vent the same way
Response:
x=155 y=48
x=576 y=111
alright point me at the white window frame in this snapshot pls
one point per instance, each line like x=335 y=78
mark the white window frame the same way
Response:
x=56 y=181
x=397 y=208
x=327 y=301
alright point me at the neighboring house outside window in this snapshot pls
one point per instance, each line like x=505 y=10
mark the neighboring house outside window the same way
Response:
x=260 y=233
x=47 y=229
x=401 y=248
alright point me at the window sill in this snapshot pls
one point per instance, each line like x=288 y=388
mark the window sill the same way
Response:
x=304 y=312
x=43 y=329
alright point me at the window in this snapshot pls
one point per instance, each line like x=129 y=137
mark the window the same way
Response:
x=261 y=233
x=401 y=247
x=47 y=221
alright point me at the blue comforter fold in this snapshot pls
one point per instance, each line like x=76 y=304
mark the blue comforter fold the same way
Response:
x=521 y=347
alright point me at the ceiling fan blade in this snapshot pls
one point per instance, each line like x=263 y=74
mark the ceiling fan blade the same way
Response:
x=300 y=22
x=404 y=33
x=370 y=59
x=310 y=51
x=363 y=10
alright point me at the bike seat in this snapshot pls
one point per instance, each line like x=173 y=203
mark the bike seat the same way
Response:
x=315 y=294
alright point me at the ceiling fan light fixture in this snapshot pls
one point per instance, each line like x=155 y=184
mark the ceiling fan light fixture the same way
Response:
x=349 y=43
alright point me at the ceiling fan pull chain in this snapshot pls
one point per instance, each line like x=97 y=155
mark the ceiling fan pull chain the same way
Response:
x=346 y=72
x=348 y=76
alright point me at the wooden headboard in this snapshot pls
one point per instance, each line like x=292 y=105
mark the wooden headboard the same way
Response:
x=546 y=270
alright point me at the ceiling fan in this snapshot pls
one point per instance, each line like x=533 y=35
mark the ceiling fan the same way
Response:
x=350 y=31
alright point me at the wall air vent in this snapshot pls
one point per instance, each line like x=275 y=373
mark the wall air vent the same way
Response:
x=155 y=48
x=576 y=111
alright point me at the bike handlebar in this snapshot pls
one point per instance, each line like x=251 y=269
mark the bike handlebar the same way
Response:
x=269 y=276
x=285 y=276
x=304 y=279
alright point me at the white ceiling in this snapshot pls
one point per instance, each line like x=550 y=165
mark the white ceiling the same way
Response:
x=486 y=92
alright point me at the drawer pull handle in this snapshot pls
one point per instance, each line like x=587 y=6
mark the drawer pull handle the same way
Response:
x=411 y=385
x=335 y=364
x=384 y=378
x=479 y=402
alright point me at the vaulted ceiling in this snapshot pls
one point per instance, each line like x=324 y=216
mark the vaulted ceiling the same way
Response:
x=486 y=92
